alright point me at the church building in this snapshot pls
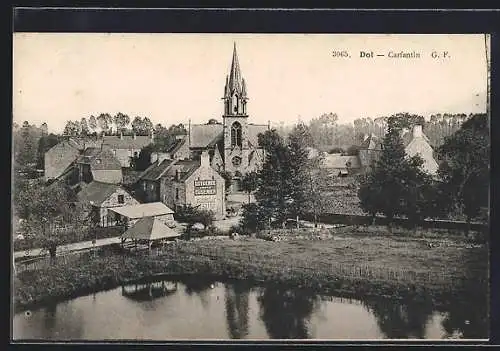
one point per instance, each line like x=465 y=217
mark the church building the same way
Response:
x=233 y=144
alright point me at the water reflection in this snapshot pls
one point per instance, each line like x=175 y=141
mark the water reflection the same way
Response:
x=236 y=304
x=149 y=291
x=165 y=309
x=398 y=320
x=286 y=313
x=199 y=286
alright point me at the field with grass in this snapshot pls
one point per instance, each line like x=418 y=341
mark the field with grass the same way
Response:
x=349 y=264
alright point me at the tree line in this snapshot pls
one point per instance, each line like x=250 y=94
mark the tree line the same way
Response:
x=330 y=135
x=105 y=123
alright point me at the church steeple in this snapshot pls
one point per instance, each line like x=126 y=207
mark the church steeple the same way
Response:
x=235 y=92
x=235 y=74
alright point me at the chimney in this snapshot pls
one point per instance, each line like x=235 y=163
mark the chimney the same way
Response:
x=205 y=159
x=154 y=157
x=417 y=131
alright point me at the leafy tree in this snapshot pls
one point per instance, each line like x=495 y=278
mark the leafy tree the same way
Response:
x=137 y=125
x=92 y=124
x=212 y=121
x=395 y=184
x=102 y=122
x=273 y=195
x=45 y=144
x=44 y=208
x=121 y=121
x=84 y=126
x=147 y=125
x=191 y=215
x=250 y=182
x=298 y=167
x=465 y=167
x=27 y=150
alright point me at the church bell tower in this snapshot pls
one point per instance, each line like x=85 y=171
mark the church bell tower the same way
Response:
x=235 y=119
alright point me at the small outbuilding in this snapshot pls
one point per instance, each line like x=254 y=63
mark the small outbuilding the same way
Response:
x=129 y=215
x=149 y=230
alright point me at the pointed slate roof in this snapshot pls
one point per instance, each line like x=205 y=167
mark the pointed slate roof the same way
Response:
x=150 y=228
x=235 y=74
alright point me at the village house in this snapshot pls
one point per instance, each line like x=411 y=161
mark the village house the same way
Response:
x=178 y=150
x=341 y=166
x=370 y=150
x=185 y=182
x=150 y=180
x=130 y=214
x=420 y=145
x=96 y=164
x=100 y=197
x=61 y=157
x=125 y=147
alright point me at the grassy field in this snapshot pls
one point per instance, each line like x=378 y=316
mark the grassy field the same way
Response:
x=347 y=264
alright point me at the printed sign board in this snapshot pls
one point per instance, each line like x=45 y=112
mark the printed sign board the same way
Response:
x=205 y=187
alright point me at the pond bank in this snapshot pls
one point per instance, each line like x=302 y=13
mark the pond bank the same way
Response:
x=297 y=264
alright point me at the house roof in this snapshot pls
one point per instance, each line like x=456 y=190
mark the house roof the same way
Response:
x=143 y=210
x=126 y=141
x=176 y=145
x=155 y=171
x=202 y=135
x=185 y=169
x=339 y=161
x=421 y=147
x=97 y=192
x=130 y=176
x=372 y=142
x=105 y=160
x=150 y=228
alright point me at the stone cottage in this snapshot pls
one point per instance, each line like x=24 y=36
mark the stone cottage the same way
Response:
x=100 y=197
x=99 y=165
x=185 y=182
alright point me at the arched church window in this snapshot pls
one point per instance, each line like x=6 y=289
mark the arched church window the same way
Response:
x=236 y=134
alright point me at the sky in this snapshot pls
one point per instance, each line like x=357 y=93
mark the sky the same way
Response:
x=174 y=78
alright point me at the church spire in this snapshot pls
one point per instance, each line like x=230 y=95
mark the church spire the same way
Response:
x=235 y=74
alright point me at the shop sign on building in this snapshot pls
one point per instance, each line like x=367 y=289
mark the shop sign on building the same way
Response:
x=205 y=187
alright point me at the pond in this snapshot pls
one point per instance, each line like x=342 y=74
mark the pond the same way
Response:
x=193 y=308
